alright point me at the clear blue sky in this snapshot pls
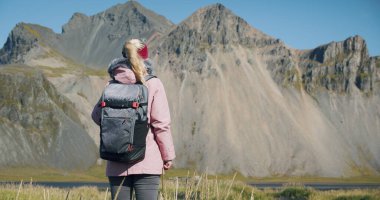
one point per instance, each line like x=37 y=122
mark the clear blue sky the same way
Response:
x=301 y=24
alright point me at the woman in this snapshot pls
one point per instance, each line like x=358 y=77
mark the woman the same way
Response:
x=143 y=177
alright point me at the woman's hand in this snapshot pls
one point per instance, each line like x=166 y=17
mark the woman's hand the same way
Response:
x=168 y=164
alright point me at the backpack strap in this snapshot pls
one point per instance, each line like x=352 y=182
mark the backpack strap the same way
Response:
x=126 y=104
x=149 y=76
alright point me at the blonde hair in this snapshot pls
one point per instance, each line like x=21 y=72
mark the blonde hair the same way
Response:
x=130 y=49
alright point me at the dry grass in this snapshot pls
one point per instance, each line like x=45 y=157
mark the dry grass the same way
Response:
x=357 y=194
x=190 y=187
x=94 y=174
x=27 y=191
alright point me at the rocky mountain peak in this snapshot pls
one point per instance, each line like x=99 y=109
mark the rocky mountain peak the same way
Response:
x=83 y=36
x=75 y=21
x=336 y=50
x=132 y=10
x=355 y=43
x=130 y=13
x=340 y=66
x=216 y=24
x=21 y=40
x=24 y=41
x=212 y=28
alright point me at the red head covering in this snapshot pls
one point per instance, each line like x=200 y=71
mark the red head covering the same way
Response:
x=143 y=52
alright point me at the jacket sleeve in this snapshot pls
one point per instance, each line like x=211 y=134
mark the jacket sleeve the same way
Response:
x=160 y=121
x=96 y=113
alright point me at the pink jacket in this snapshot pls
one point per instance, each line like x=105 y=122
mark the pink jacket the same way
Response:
x=159 y=143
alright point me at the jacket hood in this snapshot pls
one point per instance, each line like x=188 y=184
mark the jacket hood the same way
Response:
x=123 y=64
x=115 y=63
x=149 y=66
x=124 y=75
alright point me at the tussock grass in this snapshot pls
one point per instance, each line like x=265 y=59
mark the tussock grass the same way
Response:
x=75 y=69
x=27 y=191
x=175 y=184
x=298 y=193
x=208 y=187
x=357 y=194
x=97 y=174
x=191 y=187
x=94 y=174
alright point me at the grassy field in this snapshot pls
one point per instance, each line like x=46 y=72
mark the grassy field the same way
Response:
x=97 y=174
x=94 y=174
x=194 y=187
x=177 y=184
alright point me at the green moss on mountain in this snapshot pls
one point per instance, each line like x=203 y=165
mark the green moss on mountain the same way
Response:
x=32 y=31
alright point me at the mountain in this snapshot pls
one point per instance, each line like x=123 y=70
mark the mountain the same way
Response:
x=339 y=66
x=240 y=100
x=67 y=65
x=39 y=126
x=95 y=40
x=85 y=40
x=85 y=44
x=26 y=42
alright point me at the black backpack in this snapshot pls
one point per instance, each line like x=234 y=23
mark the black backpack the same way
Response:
x=124 y=122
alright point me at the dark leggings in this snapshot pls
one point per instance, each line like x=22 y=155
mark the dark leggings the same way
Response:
x=145 y=186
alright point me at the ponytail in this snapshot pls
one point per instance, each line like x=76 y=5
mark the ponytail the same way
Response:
x=130 y=51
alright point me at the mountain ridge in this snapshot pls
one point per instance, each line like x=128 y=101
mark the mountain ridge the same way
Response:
x=141 y=22
x=38 y=123
x=288 y=128
x=240 y=100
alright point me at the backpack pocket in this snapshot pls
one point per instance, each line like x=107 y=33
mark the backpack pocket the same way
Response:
x=116 y=134
x=141 y=131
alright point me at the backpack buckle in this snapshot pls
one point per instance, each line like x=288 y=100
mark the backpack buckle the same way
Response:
x=130 y=148
x=135 y=104
x=102 y=104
